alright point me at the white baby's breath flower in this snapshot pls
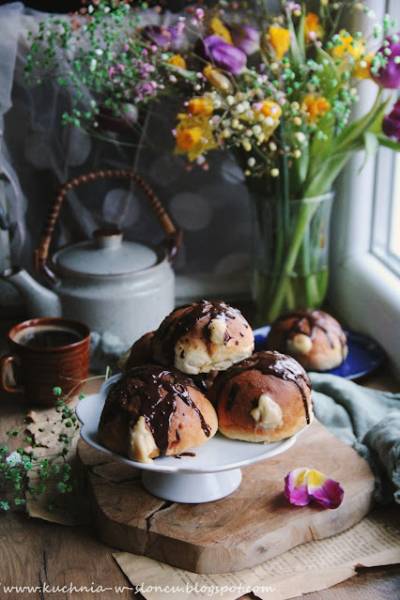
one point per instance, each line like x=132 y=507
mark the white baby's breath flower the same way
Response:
x=246 y=145
x=300 y=137
x=274 y=172
x=14 y=459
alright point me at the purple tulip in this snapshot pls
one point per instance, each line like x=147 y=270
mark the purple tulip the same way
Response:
x=391 y=123
x=246 y=38
x=388 y=75
x=224 y=55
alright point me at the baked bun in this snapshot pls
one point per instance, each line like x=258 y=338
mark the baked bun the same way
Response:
x=152 y=411
x=265 y=398
x=141 y=352
x=202 y=337
x=314 y=338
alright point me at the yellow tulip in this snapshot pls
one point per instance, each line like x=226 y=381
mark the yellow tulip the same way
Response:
x=279 y=39
x=218 y=28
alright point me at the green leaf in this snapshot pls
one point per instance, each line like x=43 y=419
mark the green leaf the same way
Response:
x=355 y=131
x=388 y=143
x=371 y=145
x=324 y=179
x=329 y=76
x=296 y=49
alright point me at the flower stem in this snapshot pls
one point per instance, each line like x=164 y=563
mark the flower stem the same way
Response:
x=306 y=212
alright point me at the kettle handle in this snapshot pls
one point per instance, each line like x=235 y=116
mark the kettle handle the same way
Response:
x=174 y=235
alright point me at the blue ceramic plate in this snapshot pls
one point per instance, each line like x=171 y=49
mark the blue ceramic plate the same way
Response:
x=364 y=355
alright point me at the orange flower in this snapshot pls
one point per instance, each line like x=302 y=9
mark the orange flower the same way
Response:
x=218 y=28
x=279 y=39
x=363 y=67
x=269 y=108
x=188 y=137
x=194 y=136
x=177 y=61
x=270 y=113
x=201 y=106
x=315 y=107
x=312 y=27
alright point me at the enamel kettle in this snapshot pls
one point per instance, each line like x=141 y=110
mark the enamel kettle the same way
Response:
x=119 y=289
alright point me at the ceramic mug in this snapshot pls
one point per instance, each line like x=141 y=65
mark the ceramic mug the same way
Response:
x=45 y=353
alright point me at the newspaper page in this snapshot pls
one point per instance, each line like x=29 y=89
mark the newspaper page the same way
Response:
x=309 y=567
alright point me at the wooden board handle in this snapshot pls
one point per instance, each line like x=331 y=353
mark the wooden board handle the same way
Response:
x=174 y=235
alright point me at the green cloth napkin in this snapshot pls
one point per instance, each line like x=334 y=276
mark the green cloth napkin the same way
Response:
x=368 y=420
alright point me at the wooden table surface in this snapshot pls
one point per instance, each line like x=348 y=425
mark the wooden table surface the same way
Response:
x=34 y=552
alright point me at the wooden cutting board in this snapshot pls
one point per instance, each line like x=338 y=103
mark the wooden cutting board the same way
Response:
x=252 y=525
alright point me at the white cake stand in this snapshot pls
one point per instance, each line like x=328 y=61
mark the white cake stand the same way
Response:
x=213 y=473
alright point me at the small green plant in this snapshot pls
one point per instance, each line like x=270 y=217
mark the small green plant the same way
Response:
x=25 y=473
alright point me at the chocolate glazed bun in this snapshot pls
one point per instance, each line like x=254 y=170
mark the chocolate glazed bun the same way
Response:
x=152 y=411
x=141 y=353
x=314 y=338
x=203 y=337
x=265 y=398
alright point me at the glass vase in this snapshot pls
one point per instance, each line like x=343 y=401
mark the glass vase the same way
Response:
x=291 y=252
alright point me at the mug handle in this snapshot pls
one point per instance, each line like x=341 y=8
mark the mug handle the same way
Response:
x=5 y=363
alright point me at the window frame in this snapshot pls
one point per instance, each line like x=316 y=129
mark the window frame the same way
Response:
x=364 y=290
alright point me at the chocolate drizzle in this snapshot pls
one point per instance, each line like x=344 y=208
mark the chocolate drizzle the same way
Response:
x=152 y=392
x=182 y=454
x=173 y=328
x=269 y=363
x=307 y=322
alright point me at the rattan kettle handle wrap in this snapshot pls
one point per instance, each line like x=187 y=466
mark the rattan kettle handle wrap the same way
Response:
x=172 y=233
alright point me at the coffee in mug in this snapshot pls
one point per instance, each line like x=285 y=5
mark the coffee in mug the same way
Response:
x=46 y=353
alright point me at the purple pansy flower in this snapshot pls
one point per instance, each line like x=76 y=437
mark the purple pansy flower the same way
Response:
x=388 y=76
x=224 y=55
x=246 y=38
x=304 y=485
x=391 y=123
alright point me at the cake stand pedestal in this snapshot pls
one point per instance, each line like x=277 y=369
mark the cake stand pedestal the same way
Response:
x=191 y=488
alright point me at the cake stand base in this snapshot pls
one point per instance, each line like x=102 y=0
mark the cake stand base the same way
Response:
x=191 y=488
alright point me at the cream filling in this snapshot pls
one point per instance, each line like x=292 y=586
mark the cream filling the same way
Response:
x=195 y=359
x=268 y=413
x=300 y=343
x=217 y=329
x=141 y=443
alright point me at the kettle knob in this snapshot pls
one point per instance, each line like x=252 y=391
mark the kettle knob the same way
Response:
x=108 y=237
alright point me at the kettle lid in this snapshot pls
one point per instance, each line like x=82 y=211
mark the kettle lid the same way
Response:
x=106 y=254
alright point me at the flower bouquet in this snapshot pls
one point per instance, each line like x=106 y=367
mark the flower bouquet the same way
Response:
x=277 y=89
